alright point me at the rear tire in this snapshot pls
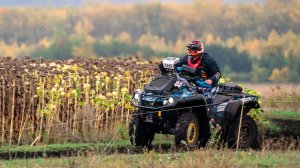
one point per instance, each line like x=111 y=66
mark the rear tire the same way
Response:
x=187 y=131
x=248 y=135
x=139 y=133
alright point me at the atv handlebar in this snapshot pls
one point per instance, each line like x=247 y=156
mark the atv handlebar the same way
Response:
x=196 y=80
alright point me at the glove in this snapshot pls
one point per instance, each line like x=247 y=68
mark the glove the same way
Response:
x=203 y=84
x=179 y=69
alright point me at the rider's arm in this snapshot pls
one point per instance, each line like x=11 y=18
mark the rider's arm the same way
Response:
x=214 y=79
x=214 y=70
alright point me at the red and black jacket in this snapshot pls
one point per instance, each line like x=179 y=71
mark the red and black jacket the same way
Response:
x=207 y=67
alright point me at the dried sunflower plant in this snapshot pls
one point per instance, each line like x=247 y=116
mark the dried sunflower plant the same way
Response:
x=44 y=101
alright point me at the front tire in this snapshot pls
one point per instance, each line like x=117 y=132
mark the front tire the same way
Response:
x=139 y=133
x=248 y=134
x=187 y=131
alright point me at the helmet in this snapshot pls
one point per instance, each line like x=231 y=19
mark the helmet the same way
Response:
x=195 y=48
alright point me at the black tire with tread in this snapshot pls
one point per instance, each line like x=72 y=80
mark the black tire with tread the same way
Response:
x=181 y=129
x=248 y=122
x=139 y=133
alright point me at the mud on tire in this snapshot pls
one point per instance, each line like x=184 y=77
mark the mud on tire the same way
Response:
x=187 y=131
x=139 y=133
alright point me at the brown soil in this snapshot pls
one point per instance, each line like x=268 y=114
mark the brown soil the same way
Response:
x=288 y=138
x=289 y=128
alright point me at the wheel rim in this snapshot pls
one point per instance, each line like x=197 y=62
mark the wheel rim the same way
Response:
x=191 y=133
x=245 y=134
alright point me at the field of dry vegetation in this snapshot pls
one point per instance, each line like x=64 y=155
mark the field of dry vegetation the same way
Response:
x=65 y=101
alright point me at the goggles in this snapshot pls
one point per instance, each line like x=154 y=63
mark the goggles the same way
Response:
x=193 y=47
x=192 y=52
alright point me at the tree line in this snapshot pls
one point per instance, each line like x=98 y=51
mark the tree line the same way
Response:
x=262 y=39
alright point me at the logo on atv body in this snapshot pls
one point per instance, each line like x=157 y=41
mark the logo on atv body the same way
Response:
x=149 y=98
x=221 y=107
x=248 y=99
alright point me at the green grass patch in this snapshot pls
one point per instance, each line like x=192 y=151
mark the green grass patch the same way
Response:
x=292 y=115
x=10 y=152
x=72 y=149
x=198 y=158
x=268 y=159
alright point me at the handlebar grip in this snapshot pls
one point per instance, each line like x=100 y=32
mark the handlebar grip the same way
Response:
x=203 y=84
x=179 y=69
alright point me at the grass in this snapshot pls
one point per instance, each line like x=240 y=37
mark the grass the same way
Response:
x=200 y=158
x=75 y=149
x=121 y=144
x=290 y=115
x=96 y=154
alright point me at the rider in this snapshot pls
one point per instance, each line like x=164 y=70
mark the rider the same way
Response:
x=208 y=70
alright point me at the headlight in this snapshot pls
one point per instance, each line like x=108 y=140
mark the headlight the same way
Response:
x=136 y=96
x=165 y=102
x=171 y=100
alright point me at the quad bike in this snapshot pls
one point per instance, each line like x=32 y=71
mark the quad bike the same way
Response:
x=172 y=104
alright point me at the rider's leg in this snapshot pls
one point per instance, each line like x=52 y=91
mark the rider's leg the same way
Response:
x=209 y=97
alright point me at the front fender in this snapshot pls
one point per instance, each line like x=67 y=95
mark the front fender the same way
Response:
x=234 y=107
